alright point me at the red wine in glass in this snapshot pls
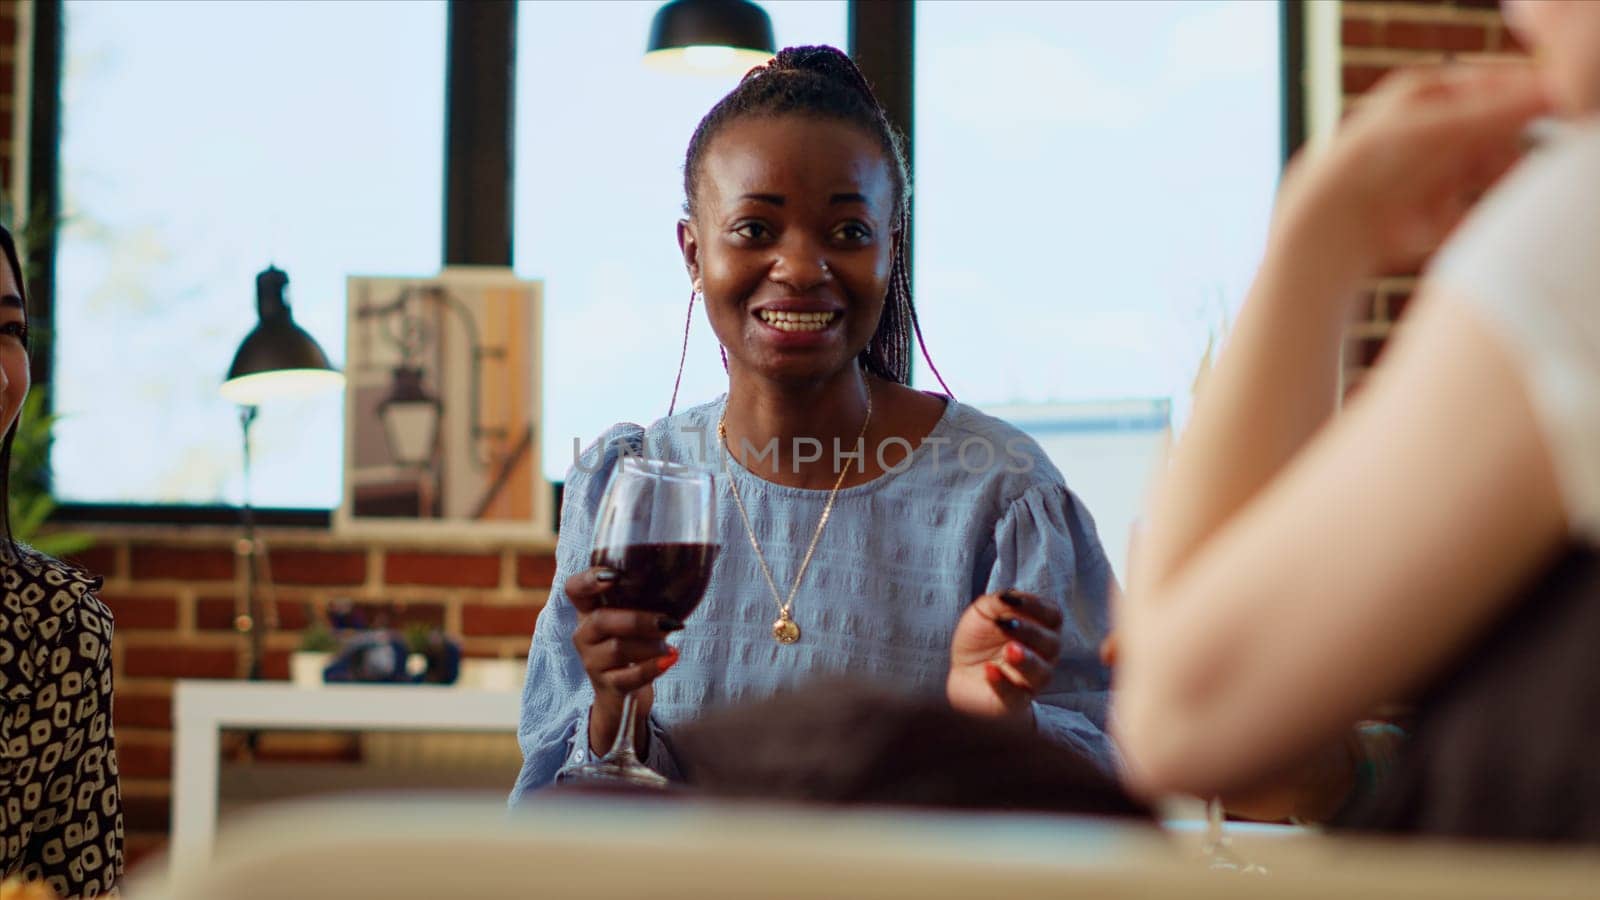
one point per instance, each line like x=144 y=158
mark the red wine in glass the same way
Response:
x=661 y=578
x=656 y=527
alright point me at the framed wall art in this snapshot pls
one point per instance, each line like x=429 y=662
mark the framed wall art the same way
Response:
x=442 y=407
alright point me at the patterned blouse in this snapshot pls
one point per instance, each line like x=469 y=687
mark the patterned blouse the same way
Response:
x=60 y=804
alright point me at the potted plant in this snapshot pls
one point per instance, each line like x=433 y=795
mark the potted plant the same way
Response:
x=317 y=646
x=31 y=502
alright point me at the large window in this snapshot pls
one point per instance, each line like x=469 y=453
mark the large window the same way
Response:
x=201 y=141
x=1092 y=187
x=599 y=195
x=1093 y=181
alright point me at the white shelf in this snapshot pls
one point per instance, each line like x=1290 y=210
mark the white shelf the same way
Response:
x=203 y=709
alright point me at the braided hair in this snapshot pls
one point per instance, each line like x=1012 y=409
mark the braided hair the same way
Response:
x=825 y=83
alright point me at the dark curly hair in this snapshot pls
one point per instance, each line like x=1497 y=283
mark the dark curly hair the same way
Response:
x=825 y=83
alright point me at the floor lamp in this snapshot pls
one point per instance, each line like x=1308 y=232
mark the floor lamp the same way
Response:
x=276 y=360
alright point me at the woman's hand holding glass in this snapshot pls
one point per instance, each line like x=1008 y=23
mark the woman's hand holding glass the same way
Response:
x=622 y=650
x=1004 y=648
x=653 y=550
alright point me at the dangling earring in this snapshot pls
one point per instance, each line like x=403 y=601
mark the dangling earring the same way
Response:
x=683 y=354
x=720 y=349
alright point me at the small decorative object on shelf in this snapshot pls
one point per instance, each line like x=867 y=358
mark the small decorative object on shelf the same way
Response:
x=386 y=657
x=435 y=657
x=369 y=656
x=317 y=646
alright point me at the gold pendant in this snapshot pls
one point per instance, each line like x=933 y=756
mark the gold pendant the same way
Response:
x=785 y=631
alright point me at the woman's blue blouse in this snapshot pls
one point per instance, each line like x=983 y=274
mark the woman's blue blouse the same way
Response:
x=976 y=508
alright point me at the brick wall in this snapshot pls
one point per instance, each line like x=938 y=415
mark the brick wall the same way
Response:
x=11 y=50
x=174 y=593
x=1377 y=36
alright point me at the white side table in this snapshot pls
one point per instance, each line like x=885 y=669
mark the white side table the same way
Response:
x=202 y=709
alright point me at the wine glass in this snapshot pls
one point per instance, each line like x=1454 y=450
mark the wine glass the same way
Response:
x=1218 y=847
x=657 y=529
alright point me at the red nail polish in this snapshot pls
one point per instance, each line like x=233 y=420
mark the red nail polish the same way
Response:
x=666 y=662
x=992 y=673
x=1014 y=653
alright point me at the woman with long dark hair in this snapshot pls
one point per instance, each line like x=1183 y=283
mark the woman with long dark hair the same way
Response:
x=857 y=516
x=60 y=801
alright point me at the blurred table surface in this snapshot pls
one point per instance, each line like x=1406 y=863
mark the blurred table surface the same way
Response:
x=431 y=847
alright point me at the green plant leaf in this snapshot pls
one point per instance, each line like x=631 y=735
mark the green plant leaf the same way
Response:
x=28 y=515
x=317 y=638
x=63 y=543
x=30 y=502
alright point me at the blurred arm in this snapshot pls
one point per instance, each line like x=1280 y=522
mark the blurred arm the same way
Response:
x=1376 y=554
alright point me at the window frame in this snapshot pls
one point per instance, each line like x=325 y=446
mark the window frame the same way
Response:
x=479 y=132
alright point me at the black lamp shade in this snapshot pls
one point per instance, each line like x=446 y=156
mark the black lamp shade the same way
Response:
x=275 y=345
x=710 y=35
x=277 y=358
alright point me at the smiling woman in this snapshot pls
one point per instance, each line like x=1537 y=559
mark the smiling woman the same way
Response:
x=604 y=256
x=858 y=207
x=794 y=259
x=866 y=556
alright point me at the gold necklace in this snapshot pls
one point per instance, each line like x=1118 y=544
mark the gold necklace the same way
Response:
x=785 y=630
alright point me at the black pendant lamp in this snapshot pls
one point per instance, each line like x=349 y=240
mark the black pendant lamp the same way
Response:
x=277 y=358
x=710 y=37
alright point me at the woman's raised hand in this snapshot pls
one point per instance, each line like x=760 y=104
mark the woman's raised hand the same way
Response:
x=1407 y=164
x=1004 y=648
x=622 y=650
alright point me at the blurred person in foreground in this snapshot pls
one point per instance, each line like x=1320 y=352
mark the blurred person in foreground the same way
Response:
x=1436 y=540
